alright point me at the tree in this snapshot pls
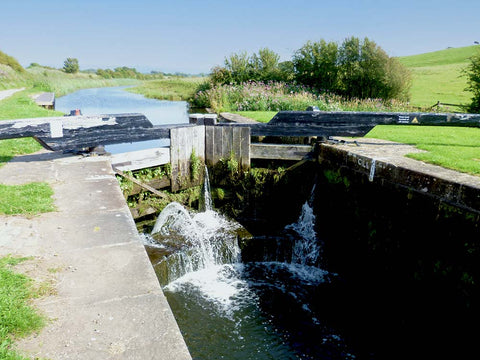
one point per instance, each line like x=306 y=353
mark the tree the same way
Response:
x=473 y=81
x=241 y=67
x=354 y=69
x=316 y=65
x=70 y=66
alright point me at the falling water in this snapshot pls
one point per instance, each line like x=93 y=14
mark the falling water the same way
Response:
x=194 y=241
x=206 y=198
x=227 y=309
x=306 y=249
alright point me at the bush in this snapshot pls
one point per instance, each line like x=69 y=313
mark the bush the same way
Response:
x=240 y=67
x=473 y=80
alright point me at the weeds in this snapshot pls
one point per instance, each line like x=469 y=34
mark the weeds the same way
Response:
x=277 y=96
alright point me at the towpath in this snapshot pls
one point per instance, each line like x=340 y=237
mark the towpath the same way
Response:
x=7 y=93
x=104 y=300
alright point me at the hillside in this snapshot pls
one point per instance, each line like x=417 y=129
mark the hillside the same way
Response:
x=437 y=76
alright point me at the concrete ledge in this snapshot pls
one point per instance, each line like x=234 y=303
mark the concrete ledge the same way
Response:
x=382 y=160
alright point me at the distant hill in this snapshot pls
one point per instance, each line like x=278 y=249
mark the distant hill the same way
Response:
x=437 y=76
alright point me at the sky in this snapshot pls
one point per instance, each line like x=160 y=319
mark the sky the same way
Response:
x=193 y=36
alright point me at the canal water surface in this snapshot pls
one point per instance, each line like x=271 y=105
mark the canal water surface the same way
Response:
x=116 y=100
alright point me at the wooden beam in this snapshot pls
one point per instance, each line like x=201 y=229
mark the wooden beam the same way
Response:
x=279 y=152
x=329 y=123
x=74 y=132
x=341 y=118
x=135 y=181
x=56 y=127
x=141 y=159
x=157 y=184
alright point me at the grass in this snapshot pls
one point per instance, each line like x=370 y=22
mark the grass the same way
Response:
x=261 y=116
x=456 y=148
x=42 y=79
x=438 y=76
x=173 y=89
x=28 y=199
x=19 y=106
x=17 y=317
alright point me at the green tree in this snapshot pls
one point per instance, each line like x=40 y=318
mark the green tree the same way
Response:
x=315 y=65
x=473 y=81
x=71 y=66
x=240 y=67
x=265 y=65
x=354 y=69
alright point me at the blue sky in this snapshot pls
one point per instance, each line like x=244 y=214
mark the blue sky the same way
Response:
x=193 y=36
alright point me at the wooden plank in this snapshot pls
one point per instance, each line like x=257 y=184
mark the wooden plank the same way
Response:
x=200 y=142
x=143 y=185
x=209 y=145
x=183 y=142
x=73 y=132
x=299 y=130
x=141 y=159
x=279 y=152
x=184 y=158
x=227 y=136
x=85 y=139
x=155 y=183
x=245 y=147
x=174 y=157
x=325 y=123
x=218 y=144
x=372 y=118
x=40 y=127
x=237 y=143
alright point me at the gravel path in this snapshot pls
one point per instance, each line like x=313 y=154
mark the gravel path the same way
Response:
x=7 y=93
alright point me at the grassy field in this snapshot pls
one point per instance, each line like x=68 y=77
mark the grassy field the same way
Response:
x=437 y=76
x=456 y=148
x=41 y=79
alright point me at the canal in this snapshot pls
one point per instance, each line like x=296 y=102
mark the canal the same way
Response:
x=116 y=100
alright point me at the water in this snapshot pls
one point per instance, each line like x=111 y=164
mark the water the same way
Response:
x=306 y=248
x=116 y=100
x=227 y=309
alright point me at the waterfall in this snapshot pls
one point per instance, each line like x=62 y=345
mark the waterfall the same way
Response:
x=194 y=241
x=306 y=249
x=229 y=308
x=205 y=200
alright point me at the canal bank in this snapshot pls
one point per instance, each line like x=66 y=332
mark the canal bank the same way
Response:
x=105 y=301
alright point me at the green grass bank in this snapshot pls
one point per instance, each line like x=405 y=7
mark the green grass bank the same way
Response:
x=438 y=76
